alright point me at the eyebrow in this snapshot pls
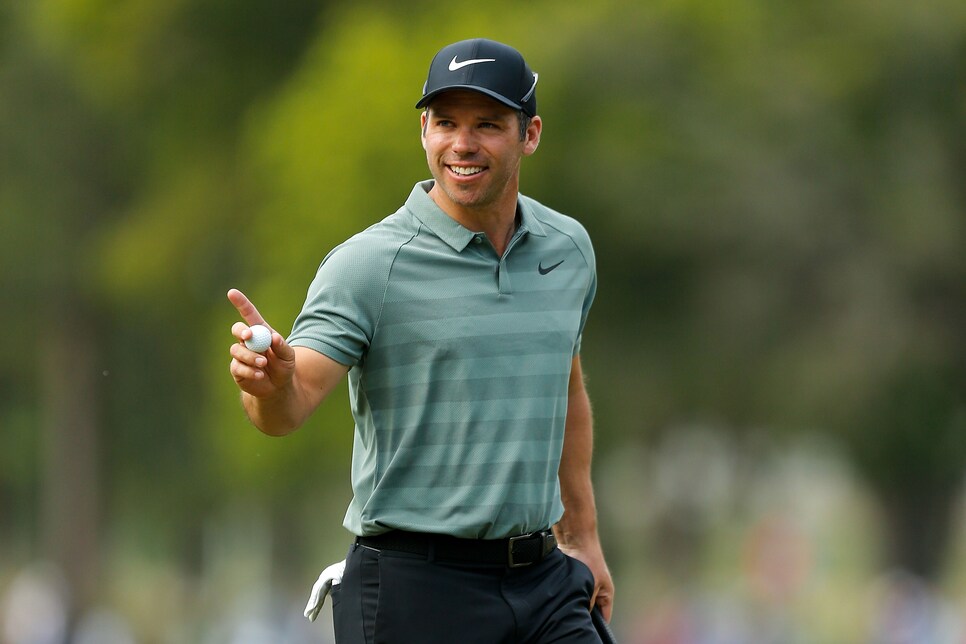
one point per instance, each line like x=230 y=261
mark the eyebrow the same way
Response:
x=484 y=116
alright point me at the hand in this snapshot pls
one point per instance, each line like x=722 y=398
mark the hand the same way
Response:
x=261 y=375
x=331 y=576
x=593 y=557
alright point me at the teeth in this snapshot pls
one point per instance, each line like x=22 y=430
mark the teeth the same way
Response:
x=465 y=171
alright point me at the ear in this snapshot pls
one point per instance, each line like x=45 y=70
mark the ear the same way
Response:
x=532 y=139
x=423 y=119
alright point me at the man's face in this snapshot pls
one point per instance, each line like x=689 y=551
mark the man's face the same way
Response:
x=473 y=149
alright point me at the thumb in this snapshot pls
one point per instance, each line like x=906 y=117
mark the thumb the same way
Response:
x=282 y=349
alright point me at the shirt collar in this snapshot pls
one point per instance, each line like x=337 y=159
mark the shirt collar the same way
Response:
x=451 y=231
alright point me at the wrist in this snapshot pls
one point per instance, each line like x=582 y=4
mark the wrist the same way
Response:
x=576 y=536
x=271 y=414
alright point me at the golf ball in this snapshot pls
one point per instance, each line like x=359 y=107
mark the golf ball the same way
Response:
x=261 y=339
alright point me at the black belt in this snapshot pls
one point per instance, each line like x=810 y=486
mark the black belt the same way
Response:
x=515 y=552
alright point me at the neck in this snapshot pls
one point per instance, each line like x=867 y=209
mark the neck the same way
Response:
x=498 y=220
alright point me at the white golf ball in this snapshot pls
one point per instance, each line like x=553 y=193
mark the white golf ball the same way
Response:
x=261 y=339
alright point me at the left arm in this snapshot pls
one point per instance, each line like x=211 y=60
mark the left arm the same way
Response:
x=577 y=530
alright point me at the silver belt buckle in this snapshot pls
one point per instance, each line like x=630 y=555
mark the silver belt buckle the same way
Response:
x=509 y=546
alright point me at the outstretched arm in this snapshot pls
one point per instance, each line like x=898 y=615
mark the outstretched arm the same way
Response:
x=282 y=386
x=577 y=530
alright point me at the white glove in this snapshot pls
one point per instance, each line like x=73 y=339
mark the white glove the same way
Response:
x=330 y=577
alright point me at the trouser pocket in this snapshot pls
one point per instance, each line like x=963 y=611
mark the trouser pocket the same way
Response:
x=354 y=601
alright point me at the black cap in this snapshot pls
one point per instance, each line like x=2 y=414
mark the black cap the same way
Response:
x=486 y=66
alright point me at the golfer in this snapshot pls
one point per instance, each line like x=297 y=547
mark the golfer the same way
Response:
x=458 y=320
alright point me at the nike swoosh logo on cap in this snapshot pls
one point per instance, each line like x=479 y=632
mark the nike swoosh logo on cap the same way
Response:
x=453 y=65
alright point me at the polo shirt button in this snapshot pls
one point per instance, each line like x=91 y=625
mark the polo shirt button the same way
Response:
x=477 y=239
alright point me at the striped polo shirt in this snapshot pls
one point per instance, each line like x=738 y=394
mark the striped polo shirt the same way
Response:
x=460 y=363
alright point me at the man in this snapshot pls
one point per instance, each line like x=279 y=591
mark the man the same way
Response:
x=458 y=321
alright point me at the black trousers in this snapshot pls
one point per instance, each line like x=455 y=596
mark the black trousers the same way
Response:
x=391 y=597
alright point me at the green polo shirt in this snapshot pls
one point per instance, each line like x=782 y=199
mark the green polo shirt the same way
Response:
x=460 y=363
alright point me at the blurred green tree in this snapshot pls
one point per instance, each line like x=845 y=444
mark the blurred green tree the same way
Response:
x=775 y=192
x=118 y=189
x=58 y=183
x=773 y=189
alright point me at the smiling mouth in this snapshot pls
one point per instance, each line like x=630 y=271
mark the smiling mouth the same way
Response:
x=466 y=171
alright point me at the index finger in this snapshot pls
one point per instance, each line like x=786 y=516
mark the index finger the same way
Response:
x=245 y=308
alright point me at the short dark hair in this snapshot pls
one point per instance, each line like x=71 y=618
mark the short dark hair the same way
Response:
x=524 y=123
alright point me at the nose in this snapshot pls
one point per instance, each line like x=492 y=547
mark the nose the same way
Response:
x=464 y=141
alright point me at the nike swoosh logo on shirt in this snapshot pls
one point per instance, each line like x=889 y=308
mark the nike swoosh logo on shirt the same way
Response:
x=544 y=271
x=453 y=65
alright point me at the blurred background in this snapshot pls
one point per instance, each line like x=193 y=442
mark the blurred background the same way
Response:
x=777 y=354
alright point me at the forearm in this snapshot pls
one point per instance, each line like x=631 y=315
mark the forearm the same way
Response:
x=577 y=529
x=282 y=409
x=578 y=526
x=279 y=414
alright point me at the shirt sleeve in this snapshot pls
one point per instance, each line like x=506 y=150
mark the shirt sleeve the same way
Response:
x=587 y=249
x=343 y=304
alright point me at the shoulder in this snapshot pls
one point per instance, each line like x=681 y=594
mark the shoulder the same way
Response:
x=558 y=224
x=375 y=248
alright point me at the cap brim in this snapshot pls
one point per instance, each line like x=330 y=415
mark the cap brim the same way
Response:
x=424 y=101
